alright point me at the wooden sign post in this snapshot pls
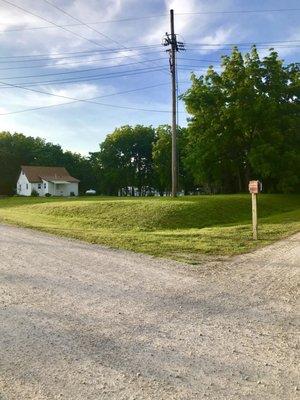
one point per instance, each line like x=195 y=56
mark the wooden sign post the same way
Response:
x=254 y=215
x=255 y=187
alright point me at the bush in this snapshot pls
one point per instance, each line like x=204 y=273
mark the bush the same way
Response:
x=48 y=195
x=34 y=193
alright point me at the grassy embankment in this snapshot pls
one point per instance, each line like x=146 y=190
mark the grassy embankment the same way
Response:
x=186 y=228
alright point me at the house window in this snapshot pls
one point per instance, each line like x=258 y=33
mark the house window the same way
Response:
x=26 y=186
x=45 y=185
x=39 y=186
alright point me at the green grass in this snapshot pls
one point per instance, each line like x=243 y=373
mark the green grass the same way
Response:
x=186 y=228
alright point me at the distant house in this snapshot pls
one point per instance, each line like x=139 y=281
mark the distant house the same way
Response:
x=53 y=180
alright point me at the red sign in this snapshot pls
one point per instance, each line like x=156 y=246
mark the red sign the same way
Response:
x=255 y=187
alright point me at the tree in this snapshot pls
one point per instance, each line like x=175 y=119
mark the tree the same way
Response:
x=125 y=159
x=17 y=149
x=162 y=159
x=245 y=124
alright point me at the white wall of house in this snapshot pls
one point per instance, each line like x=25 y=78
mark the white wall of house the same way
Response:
x=50 y=188
x=40 y=187
x=73 y=188
x=24 y=187
x=45 y=187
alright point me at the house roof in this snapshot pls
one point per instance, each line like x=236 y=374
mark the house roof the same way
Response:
x=38 y=174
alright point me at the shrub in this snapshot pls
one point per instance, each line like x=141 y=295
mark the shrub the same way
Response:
x=34 y=193
x=48 y=194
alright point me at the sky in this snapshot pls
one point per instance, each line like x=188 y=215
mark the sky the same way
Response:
x=54 y=52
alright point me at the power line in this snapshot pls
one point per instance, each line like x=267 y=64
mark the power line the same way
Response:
x=60 y=26
x=193 y=66
x=155 y=16
x=93 y=61
x=198 y=59
x=87 y=52
x=90 y=23
x=79 y=71
x=221 y=48
x=57 y=65
x=119 y=74
x=83 y=100
x=67 y=57
x=192 y=70
x=88 y=26
x=91 y=78
x=84 y=52
x=240 y=11
x=245 y=44
x=91 y=98
x=52 y=23
x=84 y=23
x=158 y=51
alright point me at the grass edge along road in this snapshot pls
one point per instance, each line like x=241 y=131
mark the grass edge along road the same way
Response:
x=188 y=228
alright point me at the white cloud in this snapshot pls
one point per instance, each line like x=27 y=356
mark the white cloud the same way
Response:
x=97 y=60
x=191 y=27
x=13 y=18
x=220 y=36
x=54 y=39
x=89 y=10
x=14 y=101
x=80 y=91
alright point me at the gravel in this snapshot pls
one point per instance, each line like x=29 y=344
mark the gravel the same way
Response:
x=85 y=322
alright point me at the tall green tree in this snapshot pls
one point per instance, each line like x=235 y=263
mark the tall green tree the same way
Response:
x=162 y=159
x=125 y=159
x=245 y=124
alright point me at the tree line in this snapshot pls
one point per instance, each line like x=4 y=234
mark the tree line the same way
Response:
x=17 y=149
x=244 y=124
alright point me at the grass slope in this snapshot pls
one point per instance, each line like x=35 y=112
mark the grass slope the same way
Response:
x=185 y=228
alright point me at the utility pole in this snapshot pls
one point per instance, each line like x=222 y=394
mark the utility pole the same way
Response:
x=175 y=46
x=174 y=104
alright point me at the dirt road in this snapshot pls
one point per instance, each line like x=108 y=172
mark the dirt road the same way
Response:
x=82 y=322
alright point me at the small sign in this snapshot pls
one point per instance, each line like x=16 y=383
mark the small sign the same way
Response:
x=255 y=187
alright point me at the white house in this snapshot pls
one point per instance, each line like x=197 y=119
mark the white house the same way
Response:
x=53 y=180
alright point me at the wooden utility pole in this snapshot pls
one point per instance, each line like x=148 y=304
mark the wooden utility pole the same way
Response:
x=174 y=104
x=171 y=40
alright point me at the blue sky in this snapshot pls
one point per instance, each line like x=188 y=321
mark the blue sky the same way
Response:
x=121 y=48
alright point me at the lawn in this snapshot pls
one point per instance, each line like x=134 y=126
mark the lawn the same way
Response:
x=186 y=228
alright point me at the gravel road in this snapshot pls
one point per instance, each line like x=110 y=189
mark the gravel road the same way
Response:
x=85 y=322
